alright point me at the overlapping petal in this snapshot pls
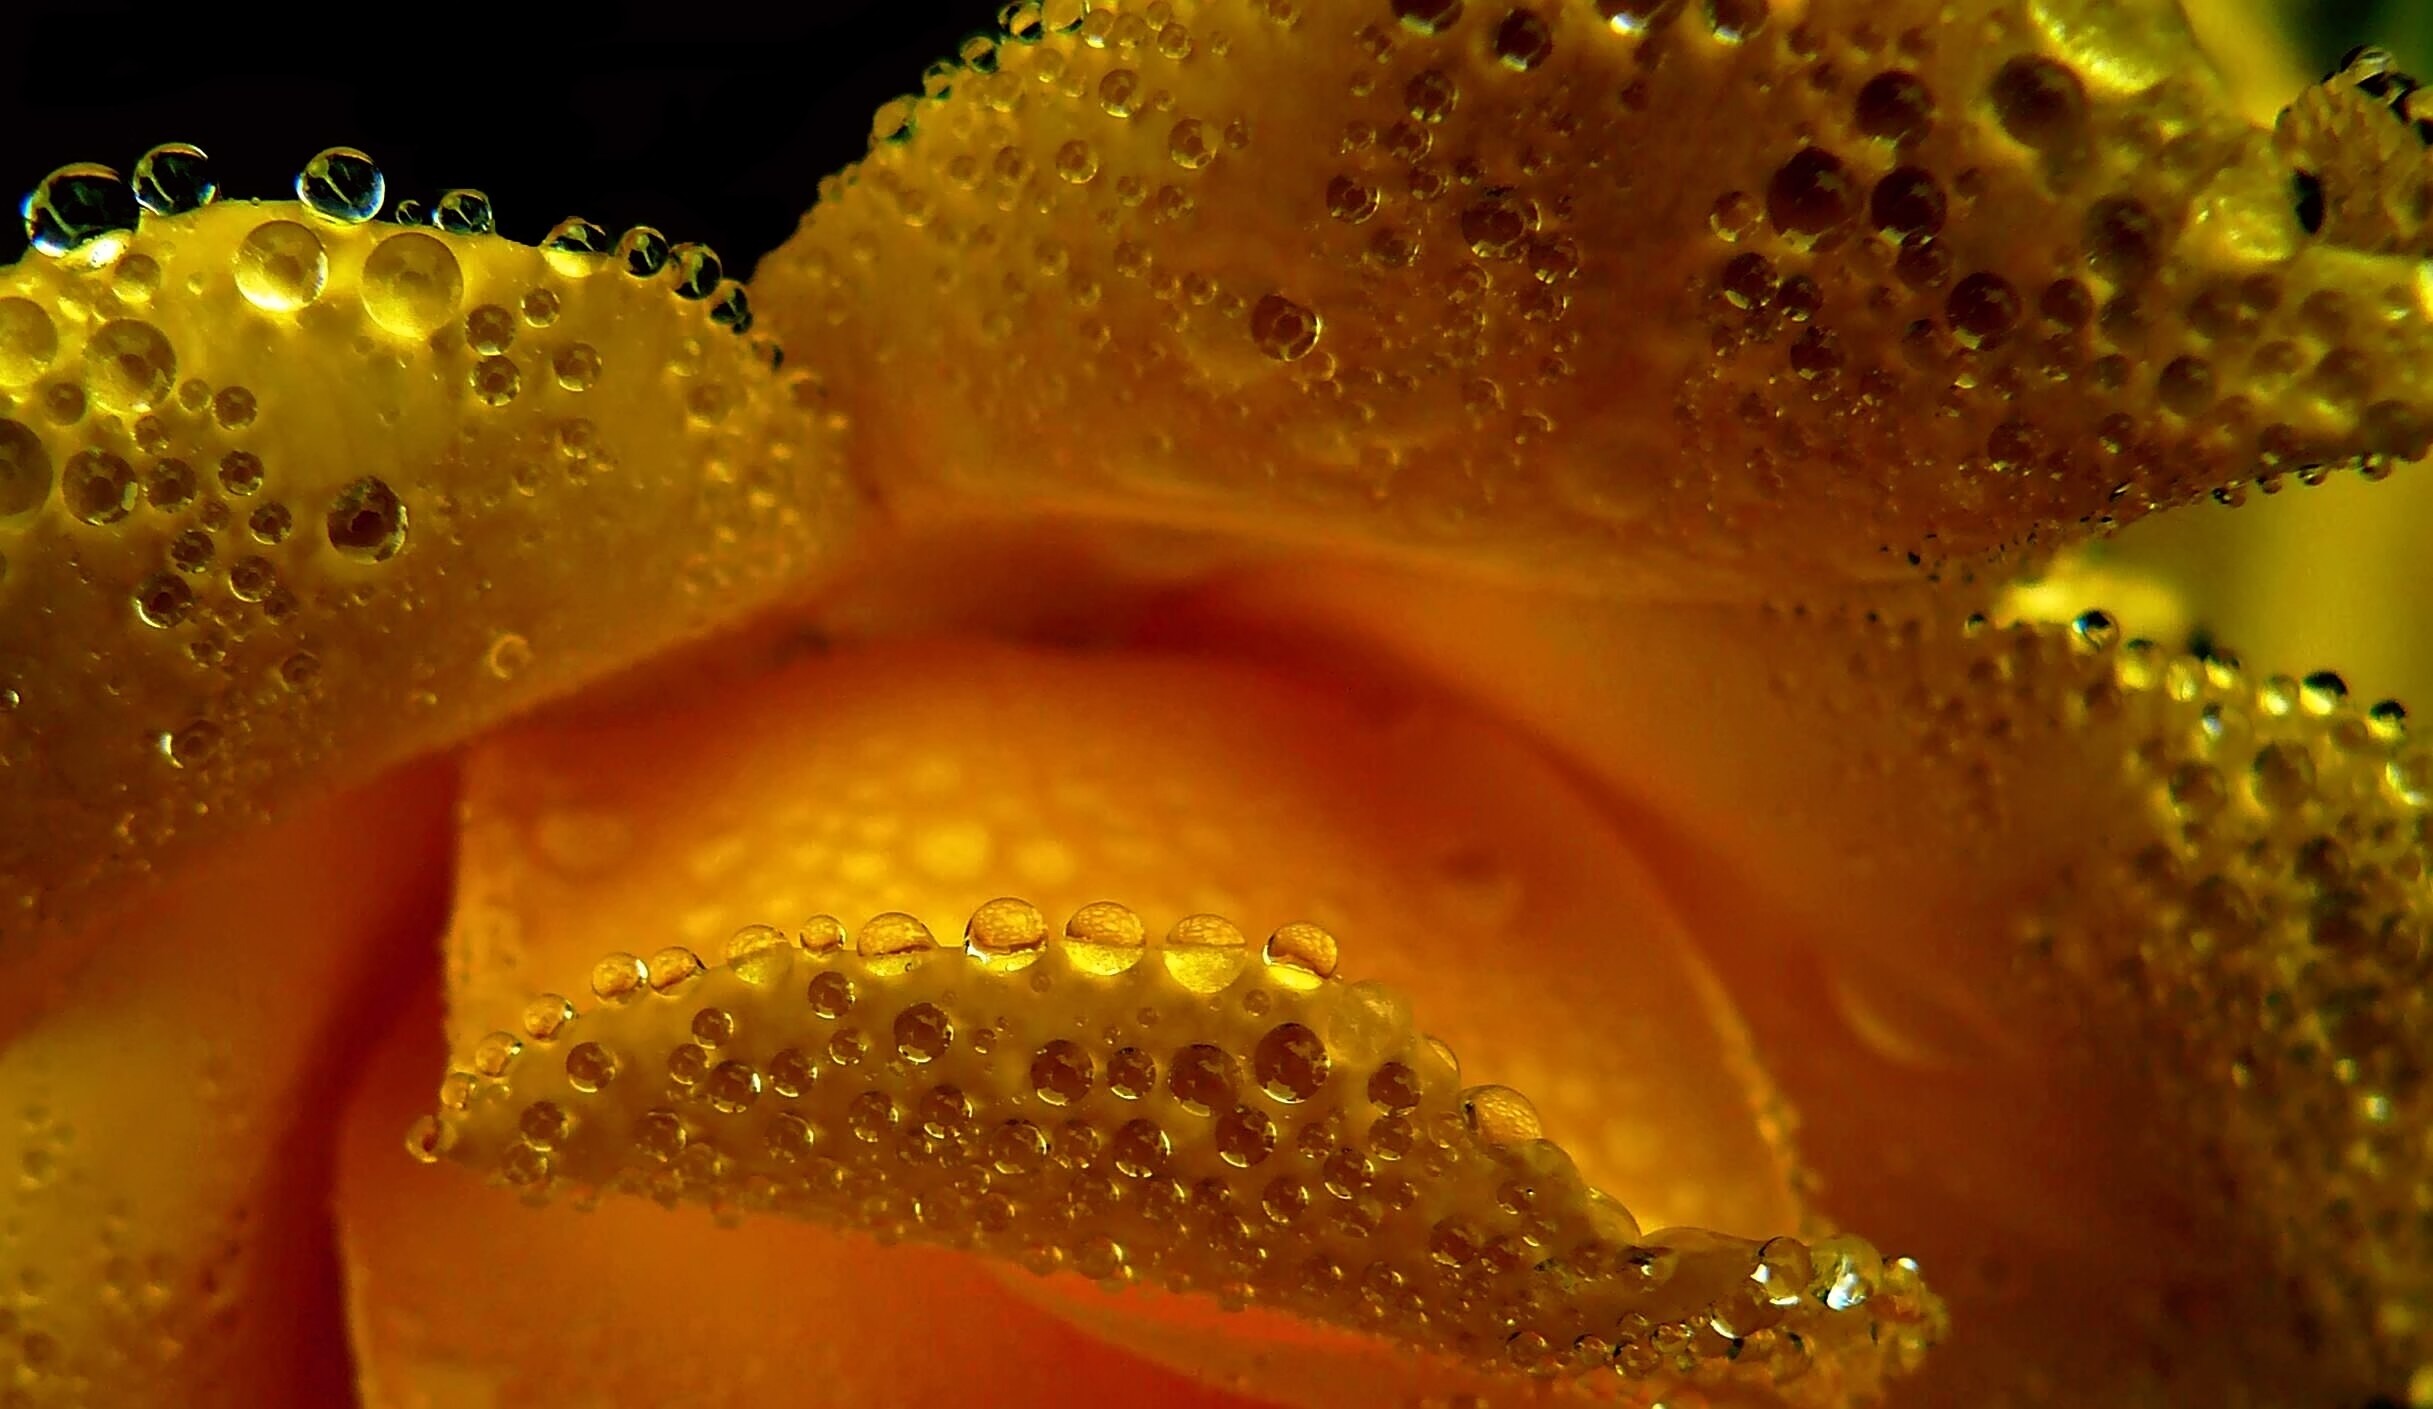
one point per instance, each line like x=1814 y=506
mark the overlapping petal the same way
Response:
x=164 y=1224
x=1680 y=300
x=2090 y=967
x=929 y=779
x=284 y=501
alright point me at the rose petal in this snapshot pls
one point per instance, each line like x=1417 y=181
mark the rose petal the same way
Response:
x=2075 y=959
x=458 y=1297
x=916 y=777
x=1686 y=301
x=323 y=497
x=163 y=1228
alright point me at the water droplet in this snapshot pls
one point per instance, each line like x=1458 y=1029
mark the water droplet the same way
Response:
x=163 y=600
x=1191 y=144
x=489 y=330
x=281 y=266
x=1204 y=953
x=1104 y=938
x=464 y=213
x=1500 y=1116
x=643 y=251
x=1811 y=196
x=412 y=284
x=367 y=521
x=575 y=247
x=831 y=995
x=1301 y=954
x=1522 y=41
x=129 y=366
x=2039 y=103
x=173 y=178
x=1283 y=329
x=1894 y=106
x=495 y=380
x=1060 y=1072
x=1006 y=934
x=1982 y=310
x=98 y=486
x=241 y=472
x=1291 y=1063
x=731 y=307
x=894 y=935
x=923 y=1033
x=1908 y=201
x=28 y=341
x=1076 y=162
x=25 y=470
x=697 y=271
x=342 y=186
x=82 y=207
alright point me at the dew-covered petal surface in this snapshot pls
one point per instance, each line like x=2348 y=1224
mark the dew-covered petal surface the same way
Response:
x=1679 y=299
x=458 y=1297
x=164 y=1236
x=284 y=500
x=2086 y=967
x=1485 y=889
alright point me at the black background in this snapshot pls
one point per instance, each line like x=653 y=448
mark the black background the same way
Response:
x=712 y=122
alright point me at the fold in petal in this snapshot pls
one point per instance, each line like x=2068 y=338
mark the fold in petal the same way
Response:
x=2088 y=967
x=283 y=501
x=1682 y=300
x=914 y=778
x=164 y=1227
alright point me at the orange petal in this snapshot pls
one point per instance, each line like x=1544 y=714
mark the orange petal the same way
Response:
x=1689 y=300
x=915 y=778
x=284 y=501
x=459 y=1298
x=163 y=1232
x=2084 y=967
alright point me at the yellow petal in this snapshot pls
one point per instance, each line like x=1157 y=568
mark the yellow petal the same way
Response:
x=283 y=501
x=2085 y=967
x=1684 y=300
x=164 y=1229
x=911 y=778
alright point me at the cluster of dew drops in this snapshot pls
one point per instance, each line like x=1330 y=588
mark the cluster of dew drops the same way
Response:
x=83 y=214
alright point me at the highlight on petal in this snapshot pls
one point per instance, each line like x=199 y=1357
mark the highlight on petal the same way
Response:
x=286 y=497
x=2091 y=965
x=1688 y=300
x=163 y=1226
x=1185 y=1111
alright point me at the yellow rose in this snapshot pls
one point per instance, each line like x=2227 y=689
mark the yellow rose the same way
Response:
x=1562 y=521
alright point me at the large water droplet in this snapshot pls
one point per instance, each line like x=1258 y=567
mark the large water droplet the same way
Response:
x=76 y=206
x=281 y=266
x=464 y=213
x=367 y=521
x=342 y=185
x=412 y=285
x=129 y=366
x=28 y=341
x=574 y=247
x=697 y=271
x=173 y=178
